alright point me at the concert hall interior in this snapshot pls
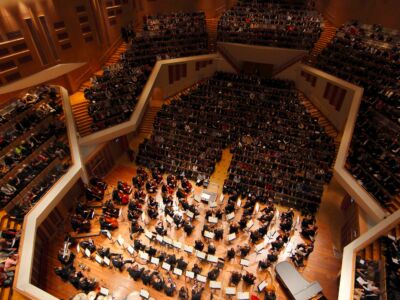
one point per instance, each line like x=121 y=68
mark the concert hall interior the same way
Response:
x=199 y=149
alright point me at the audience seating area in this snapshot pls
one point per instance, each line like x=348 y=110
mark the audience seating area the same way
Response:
x=279 y=153
x=9 y=243
x=368 y=56
x=34 y=149
x=284 y=24
x=113 y=95
x=378 y=268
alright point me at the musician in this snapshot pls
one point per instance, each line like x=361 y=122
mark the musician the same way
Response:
x=219 y=234
x=181 y=264
x=213 y=274
x=65 y=271
x=196 y=269
x=160 y=229
x=231 y=254
x=151 y=186
x=197 y=290
x=151 y=251
x=188 y=227
x=244 y=250
x=233 y=228
x=146 y=277
x=79 y=224
x=249 y=278
x=211 y=248
x=157 y=282
x=171 y=260
x=103 y=252
x=89 y=244
x=183 y=293
x=135 y=272
x=278 y=243
x=137 y=245
x=169 y=287
x=235 y=278
x=199 y=245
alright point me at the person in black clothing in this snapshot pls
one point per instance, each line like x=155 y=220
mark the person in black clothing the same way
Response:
x=231 y=254
x=199 y=245
x=235 y=278
x=135 y=272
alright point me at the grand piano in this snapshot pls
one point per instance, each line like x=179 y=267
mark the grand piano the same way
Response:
x=299 y=288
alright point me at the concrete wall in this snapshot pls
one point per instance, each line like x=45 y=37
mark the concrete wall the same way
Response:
x=260 y=54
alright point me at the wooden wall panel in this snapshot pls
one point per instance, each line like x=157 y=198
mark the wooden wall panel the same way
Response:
x=35 y=35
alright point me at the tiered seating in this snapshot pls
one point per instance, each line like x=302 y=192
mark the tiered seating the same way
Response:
x=367 y=280
x=279 y=150
x=113 y=95
x=391 y=252
x=368 y=56
x=9 y=243
x=34 y=149
x=284 y=24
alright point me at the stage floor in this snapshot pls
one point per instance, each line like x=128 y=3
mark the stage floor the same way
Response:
x=322 y=265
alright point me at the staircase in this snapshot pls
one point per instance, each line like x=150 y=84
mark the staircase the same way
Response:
x=82 y=118
x=394 y=204
x=212 y=25
x=78 y=102
x=146 y=126
x=324 y=122
x=326 y=36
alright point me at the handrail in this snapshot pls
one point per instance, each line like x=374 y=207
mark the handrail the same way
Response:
x=346 y=287
x=22 y=281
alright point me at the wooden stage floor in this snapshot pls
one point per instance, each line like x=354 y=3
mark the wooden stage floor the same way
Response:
x=322 y=265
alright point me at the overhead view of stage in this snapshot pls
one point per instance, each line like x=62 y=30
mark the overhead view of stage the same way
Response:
x=176 y=242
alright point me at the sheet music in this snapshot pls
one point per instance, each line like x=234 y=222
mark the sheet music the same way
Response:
x=145 y=294
x=244 y=262
x=201 y=278
x=177 y=244
x=230 y=291
x=262 y=286
x=209 y=234
x=130 y=249
x=215 y=284
x=87 y=252
x=188 y=249
x=230 y=216
x=243 y=295
x=99 y=259
x=177 y=271
x=104 y=291
x=231 y=236
x=200 y=254
x=189 y=274
x=213 y=220
x=166 y=266
x=212 y=258
x=155 y=261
